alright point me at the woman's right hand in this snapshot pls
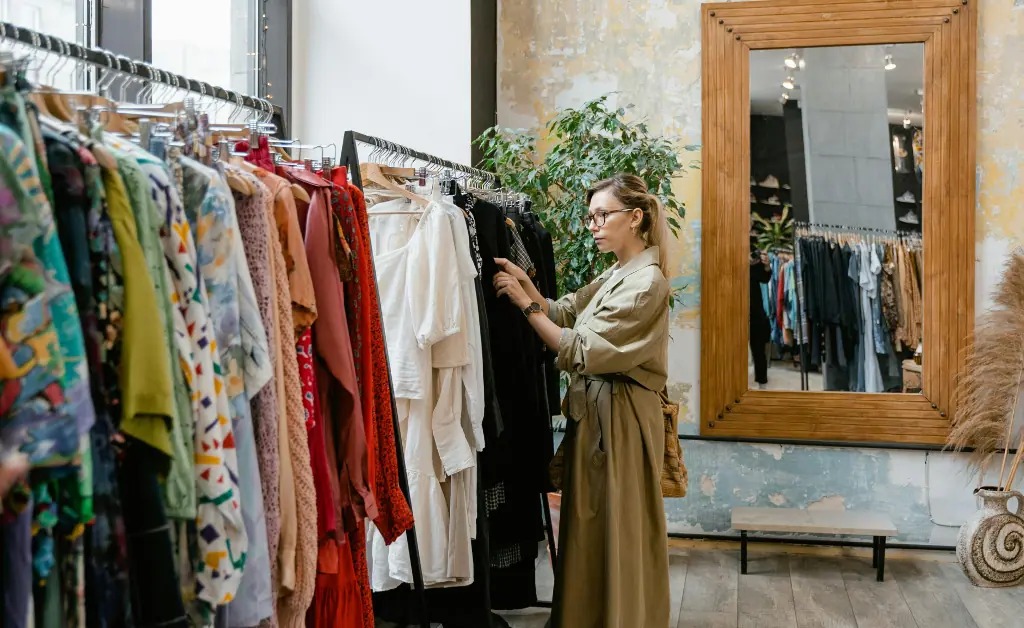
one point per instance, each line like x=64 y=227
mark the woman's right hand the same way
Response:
x=520 y=276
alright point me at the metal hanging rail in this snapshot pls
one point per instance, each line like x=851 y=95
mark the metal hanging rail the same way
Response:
x=398 y=149
x=826 y=227
x=137 y=69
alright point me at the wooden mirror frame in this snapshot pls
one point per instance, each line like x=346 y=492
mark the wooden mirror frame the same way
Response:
x=948 y=29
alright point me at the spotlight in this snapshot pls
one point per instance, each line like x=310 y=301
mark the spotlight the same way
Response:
x=789 y=83
x=784 y=98
x=889 y=63
x=792 y=62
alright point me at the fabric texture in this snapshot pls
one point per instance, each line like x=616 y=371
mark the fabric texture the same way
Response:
x=298 y=549
x=613 y=552
x=254 y=600
x=222 y=537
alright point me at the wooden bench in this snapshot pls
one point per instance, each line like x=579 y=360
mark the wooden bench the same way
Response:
x=875 y=525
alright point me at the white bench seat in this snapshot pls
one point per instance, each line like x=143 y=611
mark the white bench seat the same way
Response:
x=799 y=521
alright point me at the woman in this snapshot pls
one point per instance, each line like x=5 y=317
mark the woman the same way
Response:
x=612 y=338
x=760 y=329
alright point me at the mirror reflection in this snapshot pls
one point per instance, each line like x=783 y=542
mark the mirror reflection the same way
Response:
x=837 y=161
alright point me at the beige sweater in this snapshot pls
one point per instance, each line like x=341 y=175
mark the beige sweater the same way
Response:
x=298 y=547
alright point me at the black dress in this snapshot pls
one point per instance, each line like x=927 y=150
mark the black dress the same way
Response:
x=760 y=328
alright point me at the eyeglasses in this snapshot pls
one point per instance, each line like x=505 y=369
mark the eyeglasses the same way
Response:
x=599 y=218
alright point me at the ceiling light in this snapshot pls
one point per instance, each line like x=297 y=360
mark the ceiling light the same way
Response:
x=889 y=63
x=789 y=83
x=784 y=98
x=791 y=62
x=906 y=120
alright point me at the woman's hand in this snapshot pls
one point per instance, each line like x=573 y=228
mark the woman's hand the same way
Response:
x=508 y=286
x=510 y=269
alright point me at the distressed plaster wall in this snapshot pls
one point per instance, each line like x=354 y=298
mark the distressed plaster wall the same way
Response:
x=557 y=54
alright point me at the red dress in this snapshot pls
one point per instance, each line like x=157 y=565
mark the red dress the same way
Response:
x=394 y=514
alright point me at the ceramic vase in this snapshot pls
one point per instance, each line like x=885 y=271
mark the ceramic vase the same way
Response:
x=990 y=547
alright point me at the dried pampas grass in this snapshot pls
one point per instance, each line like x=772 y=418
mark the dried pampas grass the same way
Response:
x=990 y=384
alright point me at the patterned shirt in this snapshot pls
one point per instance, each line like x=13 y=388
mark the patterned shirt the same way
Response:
x=222 y=536
x=43 y=333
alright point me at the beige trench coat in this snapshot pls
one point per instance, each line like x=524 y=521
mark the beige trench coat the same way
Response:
x=612 y=569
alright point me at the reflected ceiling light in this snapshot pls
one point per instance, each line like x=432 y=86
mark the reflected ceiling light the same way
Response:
x=789 y=83
x=795 y=62
x=889 y=63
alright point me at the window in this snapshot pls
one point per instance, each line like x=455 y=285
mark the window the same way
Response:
x=211 y=41
x=66 y=19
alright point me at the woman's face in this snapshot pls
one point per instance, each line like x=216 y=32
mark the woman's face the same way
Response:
x=616 y=232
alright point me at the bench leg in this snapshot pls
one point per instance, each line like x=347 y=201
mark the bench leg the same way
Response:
x=881 y=559
x=743 y=552
x=874 y=552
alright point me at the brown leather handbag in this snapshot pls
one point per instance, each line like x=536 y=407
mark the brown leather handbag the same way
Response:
x=673 y=471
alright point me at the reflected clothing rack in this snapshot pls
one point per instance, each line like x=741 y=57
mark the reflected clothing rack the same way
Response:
x=810 y=230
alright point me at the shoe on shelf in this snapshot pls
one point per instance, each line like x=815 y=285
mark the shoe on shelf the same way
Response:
x=910 y=218
x=785 y=186
x=907 y=197
x=770 y=182
x=773 y=200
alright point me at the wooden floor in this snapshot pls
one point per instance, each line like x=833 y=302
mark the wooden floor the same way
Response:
x=924 y=590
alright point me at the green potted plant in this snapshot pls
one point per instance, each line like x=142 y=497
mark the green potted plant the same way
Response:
x=586 y=144
x=775 y=233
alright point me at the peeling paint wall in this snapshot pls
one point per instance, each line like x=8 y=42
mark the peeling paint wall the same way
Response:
x=557 y=54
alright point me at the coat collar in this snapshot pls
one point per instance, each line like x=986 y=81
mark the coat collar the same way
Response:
x=648 y=257
x=617 y=274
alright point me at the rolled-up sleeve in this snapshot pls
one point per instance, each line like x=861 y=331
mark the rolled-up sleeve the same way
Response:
x=563 y=311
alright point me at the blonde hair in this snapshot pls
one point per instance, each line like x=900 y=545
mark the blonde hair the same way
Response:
x=631 y=191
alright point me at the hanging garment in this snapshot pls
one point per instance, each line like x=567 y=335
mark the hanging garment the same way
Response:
x=179 y=488
x=421 y=303
x=209 y=208
x=298 y=546
x=168 y=221
x=867 y=278
x=254 y=601
x=147 y=405
x=394 y=512
x=256 y=230
x=514 y=464
x=613 y=555
x=88 y=242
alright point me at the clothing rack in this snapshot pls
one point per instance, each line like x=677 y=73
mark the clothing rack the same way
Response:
x=826 y=227
x=350 y=156
x=350 y=159
x=137 y=70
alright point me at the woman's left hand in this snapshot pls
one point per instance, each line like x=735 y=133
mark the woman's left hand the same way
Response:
x=509 y=286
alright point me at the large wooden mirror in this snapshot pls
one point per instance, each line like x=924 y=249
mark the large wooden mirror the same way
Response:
x=838 y=221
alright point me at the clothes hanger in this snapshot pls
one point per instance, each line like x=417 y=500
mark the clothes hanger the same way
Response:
x=372 y=171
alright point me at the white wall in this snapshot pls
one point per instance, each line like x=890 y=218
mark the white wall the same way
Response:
x=396 y=69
